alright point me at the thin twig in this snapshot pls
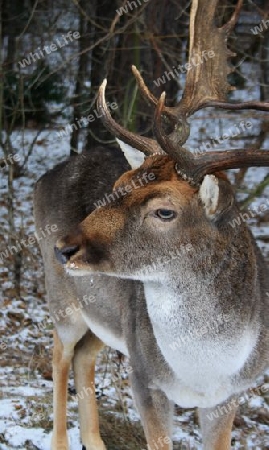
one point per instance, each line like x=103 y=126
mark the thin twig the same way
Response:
x=108 y=36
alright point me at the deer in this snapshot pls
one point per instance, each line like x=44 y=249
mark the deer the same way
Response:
x=175 y=287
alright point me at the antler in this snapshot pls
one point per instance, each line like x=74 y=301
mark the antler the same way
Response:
x=206 y=85
x=194 y=167
x=142 y=143
x=171 y=111
x=206 y=79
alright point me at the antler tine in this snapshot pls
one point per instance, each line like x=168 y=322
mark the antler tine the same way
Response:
x=148 y=96
x=146 y=145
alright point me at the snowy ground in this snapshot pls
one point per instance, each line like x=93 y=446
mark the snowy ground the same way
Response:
x=26 y=341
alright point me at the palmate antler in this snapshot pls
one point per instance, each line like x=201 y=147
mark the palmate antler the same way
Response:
x=206 y=86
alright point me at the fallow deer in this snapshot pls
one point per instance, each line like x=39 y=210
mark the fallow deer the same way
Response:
x=161 y=262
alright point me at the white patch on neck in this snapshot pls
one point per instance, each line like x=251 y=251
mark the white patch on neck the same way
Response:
x=204 y=366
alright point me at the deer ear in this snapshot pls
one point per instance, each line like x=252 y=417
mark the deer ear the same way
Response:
x=134 y=157
x=217 y=196
x=209 y=194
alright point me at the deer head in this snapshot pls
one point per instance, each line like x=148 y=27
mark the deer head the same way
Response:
x=187 y=204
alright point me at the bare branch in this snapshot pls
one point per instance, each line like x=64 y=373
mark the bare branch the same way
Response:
x=232 y=22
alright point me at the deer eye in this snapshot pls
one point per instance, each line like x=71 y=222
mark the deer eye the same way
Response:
x=165 y=214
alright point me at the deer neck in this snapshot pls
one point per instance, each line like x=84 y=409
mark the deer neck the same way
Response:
x=197 y=288
x=170 y=303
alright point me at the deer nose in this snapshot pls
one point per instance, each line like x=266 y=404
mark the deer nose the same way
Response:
x=64 y=254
